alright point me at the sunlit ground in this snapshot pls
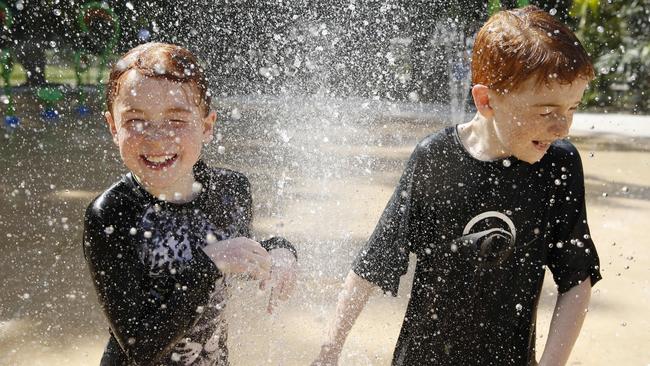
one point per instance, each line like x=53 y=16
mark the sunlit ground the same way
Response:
x=322 y=173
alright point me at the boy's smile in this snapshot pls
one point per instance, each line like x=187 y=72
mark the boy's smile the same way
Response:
x=159 y=127
x=159 y=162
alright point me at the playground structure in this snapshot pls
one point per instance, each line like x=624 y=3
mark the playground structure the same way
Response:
x=98 y=29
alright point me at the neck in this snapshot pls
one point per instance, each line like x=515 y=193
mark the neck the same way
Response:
x=480 y=139
x=179 y=192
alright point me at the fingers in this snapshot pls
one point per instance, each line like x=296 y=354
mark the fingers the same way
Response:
x=288 y=286
x=272 y=301
x=242 y=256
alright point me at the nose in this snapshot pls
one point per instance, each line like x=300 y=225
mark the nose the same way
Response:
x=560 y=126
x=158 y=130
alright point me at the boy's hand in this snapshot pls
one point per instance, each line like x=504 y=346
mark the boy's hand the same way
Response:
x=240 y=256
x=283 y=276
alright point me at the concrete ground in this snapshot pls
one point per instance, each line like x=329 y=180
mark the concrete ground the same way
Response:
x=322 y=172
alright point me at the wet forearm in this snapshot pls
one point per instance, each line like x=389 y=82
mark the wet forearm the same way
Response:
x=352 y=300
x=568 y=316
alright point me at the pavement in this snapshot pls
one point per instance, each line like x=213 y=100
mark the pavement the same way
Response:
x=611 y=123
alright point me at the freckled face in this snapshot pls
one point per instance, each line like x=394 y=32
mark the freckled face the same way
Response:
x=159 y=128
x=529 y=119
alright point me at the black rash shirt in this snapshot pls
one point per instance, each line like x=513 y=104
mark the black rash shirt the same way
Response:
x=162 y=295
x=483 y=233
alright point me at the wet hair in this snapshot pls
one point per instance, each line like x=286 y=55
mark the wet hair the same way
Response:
x=164 y=61
x=515 y=45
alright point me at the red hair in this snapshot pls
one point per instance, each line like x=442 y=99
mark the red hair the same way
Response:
x=515 y=45
x=160 y=60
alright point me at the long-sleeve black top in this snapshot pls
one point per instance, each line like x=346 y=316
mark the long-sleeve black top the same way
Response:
x=162 y=295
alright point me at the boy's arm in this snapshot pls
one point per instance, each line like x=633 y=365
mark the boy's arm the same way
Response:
x=146 y=328
x=283 y=254
x=241 y=189
x=383 y=260
x=573 y=259
x=569 y=314
x=352 y=300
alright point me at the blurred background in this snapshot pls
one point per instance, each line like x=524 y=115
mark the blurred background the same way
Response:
x=320 y=103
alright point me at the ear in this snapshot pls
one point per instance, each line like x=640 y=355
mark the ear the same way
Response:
x=208 y=126
x=111 y=126
x=481 y=96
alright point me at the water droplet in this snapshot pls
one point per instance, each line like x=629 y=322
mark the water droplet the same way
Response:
x=159 y=69
x=506 y=162
x=210 y=238
x=558 y=182
x=131 y=340
x=552 y=11
x=147 y=234
x=197 y=187
x=625 y=189
x=600 y=29
x=221 y=149
x=176 y=357
x=133 y=231
x=57 y=12
x=109 y=230
x=235 y=114
x=129 y=5
x=519 y=307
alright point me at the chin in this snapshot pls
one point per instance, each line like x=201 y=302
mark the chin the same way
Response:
x=535 y=159
x=531 y=158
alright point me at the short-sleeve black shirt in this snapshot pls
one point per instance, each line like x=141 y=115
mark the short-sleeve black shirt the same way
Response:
x=483 y=234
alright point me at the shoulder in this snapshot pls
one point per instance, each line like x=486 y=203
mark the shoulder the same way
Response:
x=564 y=154
x=107 y=219
x=223 y=184
x=438 y=140
x=220 y=178
x=436 y=150
x=112 y=203
x=563 y=161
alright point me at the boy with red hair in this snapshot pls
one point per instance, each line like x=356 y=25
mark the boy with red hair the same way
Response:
x=486 y=206
x=163 y=243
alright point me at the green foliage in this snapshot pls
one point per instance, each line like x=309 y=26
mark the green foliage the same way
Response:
x=617 y=35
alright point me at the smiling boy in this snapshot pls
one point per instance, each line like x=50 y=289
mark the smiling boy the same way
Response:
x=163 y=242
x=486 y=206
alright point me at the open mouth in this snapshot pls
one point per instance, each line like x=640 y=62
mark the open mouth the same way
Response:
x=158 y=162
x=541 y=145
